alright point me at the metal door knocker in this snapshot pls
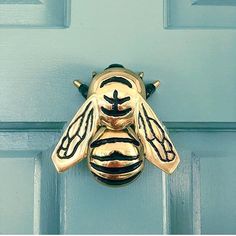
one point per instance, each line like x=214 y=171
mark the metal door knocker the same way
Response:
x=115 y=129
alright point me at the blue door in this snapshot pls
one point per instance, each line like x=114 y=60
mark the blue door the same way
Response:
x=189 y=45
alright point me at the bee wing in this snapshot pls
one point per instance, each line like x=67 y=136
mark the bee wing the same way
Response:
x=158 y=147
x=73 y=145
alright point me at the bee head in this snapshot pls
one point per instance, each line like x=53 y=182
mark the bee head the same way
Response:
x=119 y=76
x=117 y=90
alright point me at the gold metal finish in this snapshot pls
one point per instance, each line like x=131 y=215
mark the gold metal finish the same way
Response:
x=141 y=74
x=116 y=128
x=157 y=83
x=77 y=83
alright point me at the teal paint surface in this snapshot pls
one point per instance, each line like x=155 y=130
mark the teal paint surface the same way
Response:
x=196 y=101
x=218 y=189
x=198 y=65
x=90 y=207
x=28 y=199
x=34 y=13
x=202 y=189
x=200 y=14
x=16 y=198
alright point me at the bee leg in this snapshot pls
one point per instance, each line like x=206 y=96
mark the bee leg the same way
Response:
x=151 y=88
x=83 y=88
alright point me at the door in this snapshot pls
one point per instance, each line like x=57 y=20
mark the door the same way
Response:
x=189 y=45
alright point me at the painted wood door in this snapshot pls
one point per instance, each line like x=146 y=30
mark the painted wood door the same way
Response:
x=189 y=45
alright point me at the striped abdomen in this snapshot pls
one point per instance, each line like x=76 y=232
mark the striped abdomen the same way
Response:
x=116 y=157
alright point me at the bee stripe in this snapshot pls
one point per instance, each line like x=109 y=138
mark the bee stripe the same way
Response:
x=115 y=163
x=115 y=113
x=119 y=170
x=116 y=79
x=121 y=176
x=119 y=100
x=116 y=182
x=100 y=142
x=115 y=156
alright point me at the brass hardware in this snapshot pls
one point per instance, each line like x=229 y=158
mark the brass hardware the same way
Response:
x=156 y=84
x=77 y=83
x=141 y=74
x=115 y=129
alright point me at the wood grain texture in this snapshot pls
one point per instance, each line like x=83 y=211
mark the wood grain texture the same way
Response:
x=181 y=197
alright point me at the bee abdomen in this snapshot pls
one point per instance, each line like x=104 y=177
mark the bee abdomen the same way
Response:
x=117 y=167
x=115 y=157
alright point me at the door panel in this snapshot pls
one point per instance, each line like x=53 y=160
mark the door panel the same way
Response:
x=202 y=190
x=17 y=193
x=34 y=13
x=196 y=102
x=218 y=192
x=28 y=199
x=200 y=14
x=90 y=207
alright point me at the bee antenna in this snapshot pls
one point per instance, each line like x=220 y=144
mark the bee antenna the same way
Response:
x=83 y=88
x=151 y=88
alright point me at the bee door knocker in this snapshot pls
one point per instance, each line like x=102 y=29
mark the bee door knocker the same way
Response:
x=116 y=128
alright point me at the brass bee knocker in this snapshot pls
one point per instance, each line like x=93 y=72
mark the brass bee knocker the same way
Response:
x=116 y=128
